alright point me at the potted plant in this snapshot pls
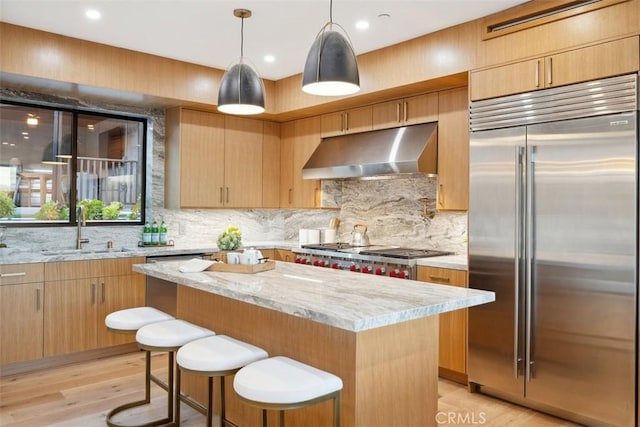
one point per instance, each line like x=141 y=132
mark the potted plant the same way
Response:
x=7 y=207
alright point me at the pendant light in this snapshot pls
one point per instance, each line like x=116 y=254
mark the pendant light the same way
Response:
x=331 y=68
x=241 y=89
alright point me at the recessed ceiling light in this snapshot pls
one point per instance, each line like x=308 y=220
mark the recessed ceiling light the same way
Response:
x=32 y=121
x=269 y=58
x=92 y=14
x=362 y=25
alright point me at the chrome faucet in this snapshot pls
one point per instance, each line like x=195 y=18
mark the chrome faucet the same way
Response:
x=81 y=219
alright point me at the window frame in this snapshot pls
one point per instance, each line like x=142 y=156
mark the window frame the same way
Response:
x=73 y=202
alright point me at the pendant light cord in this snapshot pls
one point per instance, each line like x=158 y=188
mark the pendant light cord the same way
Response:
x=242 y=37
x=331 y=11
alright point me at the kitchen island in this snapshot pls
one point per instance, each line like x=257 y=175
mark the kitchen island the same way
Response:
x=380 y=335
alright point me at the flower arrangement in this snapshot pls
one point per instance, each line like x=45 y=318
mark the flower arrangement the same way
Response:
x=230 y=239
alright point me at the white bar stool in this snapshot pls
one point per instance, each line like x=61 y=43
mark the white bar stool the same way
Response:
x=168 y=336
x=282 y=383
x=214 y=356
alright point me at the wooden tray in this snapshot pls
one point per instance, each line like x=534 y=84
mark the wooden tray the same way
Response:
x=242 y=268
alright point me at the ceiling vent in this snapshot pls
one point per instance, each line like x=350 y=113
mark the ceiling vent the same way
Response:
x=536 y=13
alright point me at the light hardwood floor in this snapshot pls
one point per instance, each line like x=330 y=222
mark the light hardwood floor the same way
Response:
x=82 y=394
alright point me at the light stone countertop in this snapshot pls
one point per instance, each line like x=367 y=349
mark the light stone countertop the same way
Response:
x=454 y=262
x=337 y=298
x=24 y=256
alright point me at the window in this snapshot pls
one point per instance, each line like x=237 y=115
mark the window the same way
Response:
x=52 y=161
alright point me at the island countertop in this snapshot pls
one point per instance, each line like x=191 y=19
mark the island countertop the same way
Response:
x=335 y=298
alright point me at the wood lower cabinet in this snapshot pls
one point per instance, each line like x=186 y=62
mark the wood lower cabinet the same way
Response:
x=407 y=111
x=21 y=312
x=78 y=296
x=299 y=139
x=578 y=65
x=452 y=360
x=346 y=122
x=453 y=150
x=284 y=255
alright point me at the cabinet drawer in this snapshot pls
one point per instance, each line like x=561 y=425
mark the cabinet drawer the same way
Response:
x=12 y=274
x=443 y=276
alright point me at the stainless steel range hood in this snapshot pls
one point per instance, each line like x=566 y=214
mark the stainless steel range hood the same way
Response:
x=408 y=149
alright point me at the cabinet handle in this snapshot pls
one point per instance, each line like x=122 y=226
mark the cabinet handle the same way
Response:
x=221 y=195
x=291 y=196
x=537 y=74
x=440 y=278
x=227 y=194
x=398 y=112
x=405 y=112
x=550 y=72
x=22 y=273
x=346 y=121
x=102 y=291
x=441 y=195
x=38 y=299
x=93 y=293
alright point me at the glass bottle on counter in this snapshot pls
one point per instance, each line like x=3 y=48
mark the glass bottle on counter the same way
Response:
x=146 y=234
x=162 y=233
x=155 y=233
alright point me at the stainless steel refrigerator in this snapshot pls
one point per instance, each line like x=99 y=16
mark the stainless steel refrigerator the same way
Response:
x=553 y=226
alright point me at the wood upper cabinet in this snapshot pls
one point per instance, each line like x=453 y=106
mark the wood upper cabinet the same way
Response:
x=78 y=296
x=407 y=111
x=299 y=139
x=271 y=165
x=345 y=122
x=194 y=160
x=574 y=66
x=21 y=312
x=453 y=325
x=216 y=161
x=242 y=162
x=453 y=150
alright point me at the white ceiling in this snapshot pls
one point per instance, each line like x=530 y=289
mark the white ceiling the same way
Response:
x=206 y=32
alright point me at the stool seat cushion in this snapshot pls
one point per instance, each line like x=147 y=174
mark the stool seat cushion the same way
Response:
x=281 y=380
x=170 y=333
x=218 y=353
x=132 y=319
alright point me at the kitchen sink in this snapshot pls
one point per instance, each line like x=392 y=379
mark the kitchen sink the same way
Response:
x=82 y=251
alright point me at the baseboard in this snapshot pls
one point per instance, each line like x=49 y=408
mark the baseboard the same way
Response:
x=55 y=361
x=458 y=377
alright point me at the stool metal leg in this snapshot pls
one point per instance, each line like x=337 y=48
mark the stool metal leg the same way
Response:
x=148 y=377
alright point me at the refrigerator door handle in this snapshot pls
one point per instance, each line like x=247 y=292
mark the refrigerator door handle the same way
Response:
x=517 y=357
x=530 y=209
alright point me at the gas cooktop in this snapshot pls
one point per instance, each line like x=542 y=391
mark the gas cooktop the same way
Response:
x=383 y=251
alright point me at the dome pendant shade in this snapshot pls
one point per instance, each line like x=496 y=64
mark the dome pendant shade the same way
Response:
x=241 y=91
x=331 y=68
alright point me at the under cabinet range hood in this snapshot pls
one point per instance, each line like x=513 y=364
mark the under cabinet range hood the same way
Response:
x=408 y=149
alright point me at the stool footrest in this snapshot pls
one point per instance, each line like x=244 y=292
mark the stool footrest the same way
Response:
x=130 y=405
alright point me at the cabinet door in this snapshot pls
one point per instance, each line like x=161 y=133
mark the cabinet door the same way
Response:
x=287 y=140
x=508 y=79
x=284 y=255
x=388 y=114
x=118 y=293
x=358 y=120
x=593 y=62
x=453 y=150
x=70 y=316
x=271 y=165
x=21 y=322
x=201 y=159
x=331 y=124
x=420 y=109
x=453 y=325
x=306 y=192
x=242 y=162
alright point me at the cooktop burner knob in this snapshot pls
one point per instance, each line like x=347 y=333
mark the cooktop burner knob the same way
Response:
x=394 y=273
x=298 y=260
x=335 y=265
x=380 y=271
x=403 y=274
x=354 y=267
x=366 y=269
